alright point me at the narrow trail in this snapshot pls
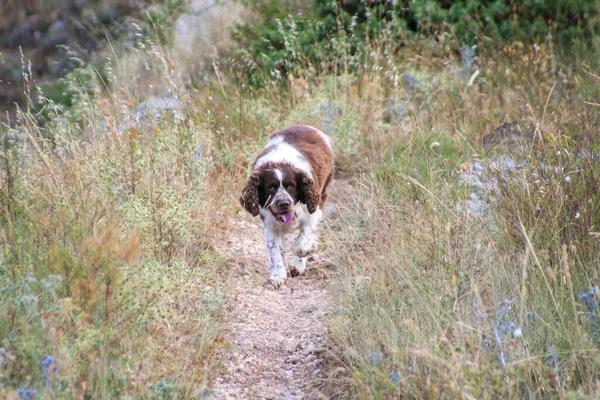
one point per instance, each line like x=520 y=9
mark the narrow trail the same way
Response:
x=279 y=337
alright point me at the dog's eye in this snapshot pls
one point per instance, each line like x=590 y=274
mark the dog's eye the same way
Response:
x=272 y=188
x=290 y=186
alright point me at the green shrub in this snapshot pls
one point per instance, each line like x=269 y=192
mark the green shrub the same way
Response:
x=337 y=35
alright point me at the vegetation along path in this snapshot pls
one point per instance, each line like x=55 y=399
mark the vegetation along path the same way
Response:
x=278 y=336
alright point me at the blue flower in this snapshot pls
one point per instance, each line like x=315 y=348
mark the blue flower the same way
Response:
x=47 y=362
x=530 y=315
x=591 y=303
x=590 y=300
x=26 y=393
x=49 y=368
x=410 y=80
x=552 y=360
x=503 y=307
x=394 y=376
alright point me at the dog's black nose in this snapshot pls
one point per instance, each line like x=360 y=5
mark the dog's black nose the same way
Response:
x=283 y=203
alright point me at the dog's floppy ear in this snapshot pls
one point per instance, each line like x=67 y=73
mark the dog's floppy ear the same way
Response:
x=308 y=193
x=249 y=197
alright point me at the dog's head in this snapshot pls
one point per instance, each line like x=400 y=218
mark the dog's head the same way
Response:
x=277 y=187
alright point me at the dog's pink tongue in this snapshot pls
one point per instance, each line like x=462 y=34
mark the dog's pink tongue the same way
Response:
x=286 y=218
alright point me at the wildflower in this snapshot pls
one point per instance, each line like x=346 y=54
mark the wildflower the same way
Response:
x=590 y=299
x=567 y=179
x=552 y=359
x=49 y=368
x=577 y=215
x=410 y=80
x=26 y=393
x=505 y=327
x=394 y=376
x=503 y=307
x=434 y=145
x=47 y=362
x=375 y=357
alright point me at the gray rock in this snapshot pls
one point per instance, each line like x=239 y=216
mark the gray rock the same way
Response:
x=195 y=26
x=186 y=29
x=482 y=183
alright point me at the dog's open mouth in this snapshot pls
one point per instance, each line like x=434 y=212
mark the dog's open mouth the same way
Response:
x=285 y=218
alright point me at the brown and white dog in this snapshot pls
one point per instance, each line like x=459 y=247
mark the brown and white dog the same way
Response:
x=287 y=187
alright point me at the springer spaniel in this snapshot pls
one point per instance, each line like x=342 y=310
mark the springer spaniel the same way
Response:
x=287 y=187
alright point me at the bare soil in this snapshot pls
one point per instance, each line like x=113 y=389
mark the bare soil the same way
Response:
x=278 y=338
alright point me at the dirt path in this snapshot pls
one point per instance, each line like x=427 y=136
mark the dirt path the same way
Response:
x=279 y=337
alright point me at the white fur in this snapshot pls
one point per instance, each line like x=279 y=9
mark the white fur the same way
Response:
x=304 y=244
x=307 y=241
x=279 y=176
x=275 y=140
x=275 y=242
x=285 y=152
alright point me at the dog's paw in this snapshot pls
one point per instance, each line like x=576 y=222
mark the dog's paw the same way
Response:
x=276 y=283
x=277 y=279
x=304 y=246
x=298 y=266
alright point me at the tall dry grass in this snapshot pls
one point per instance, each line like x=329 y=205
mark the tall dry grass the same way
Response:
x=109 y=283
x=451 y=289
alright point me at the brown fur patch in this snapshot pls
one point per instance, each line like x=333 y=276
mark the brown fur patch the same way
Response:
x=249 y=197
x=309 y=193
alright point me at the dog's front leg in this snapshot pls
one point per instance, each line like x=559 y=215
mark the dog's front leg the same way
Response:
x=277 y=271
x=307 y=241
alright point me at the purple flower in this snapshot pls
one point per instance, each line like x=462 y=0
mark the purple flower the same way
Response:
x=394 y=376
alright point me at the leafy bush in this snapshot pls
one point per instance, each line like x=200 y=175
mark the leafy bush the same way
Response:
x=338 y=35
